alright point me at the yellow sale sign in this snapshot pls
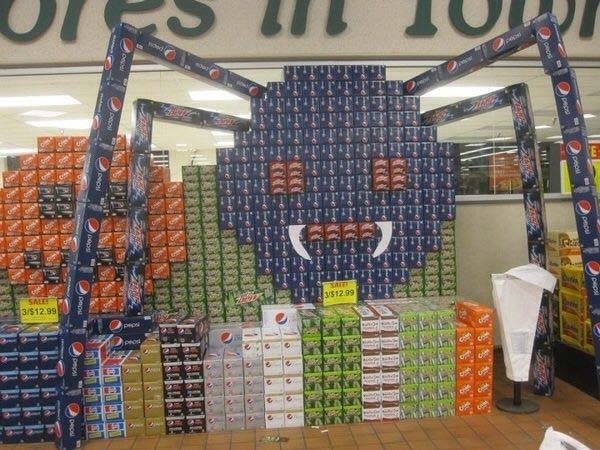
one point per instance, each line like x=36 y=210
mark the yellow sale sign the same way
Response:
x=38 y=310
x=340 y=292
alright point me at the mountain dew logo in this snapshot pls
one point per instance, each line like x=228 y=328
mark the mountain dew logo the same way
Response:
x=248 y=297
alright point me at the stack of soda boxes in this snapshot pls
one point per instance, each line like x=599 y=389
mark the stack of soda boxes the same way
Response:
x=28 y=356
x=474 y=358
x=183 y=344
x=332 y=362
x=572 y=323
x=254 y=397
x=126 y=332
x=104 y=410
x=408 y=359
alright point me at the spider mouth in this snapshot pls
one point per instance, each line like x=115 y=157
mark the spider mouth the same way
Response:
x=294 y=232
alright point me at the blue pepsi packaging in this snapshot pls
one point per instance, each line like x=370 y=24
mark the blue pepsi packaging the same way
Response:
x=69 y=424
x=134 y=288
x=137 y=186
x=462 y=65
x=9 y=361
x=29 y=379
x=25 y=361
x=49 y=415
x=48 y=396
x=421 y=83
x=568 y=99
x=71 y=354
x=585 y=204
x=579 y=164
x=48 y=338
x=166 y=53
x=28 y=340
x=86 y=232
x=137 y=227
x=112 y=324
x=506 y=44
x=96 y=174
x=550 y=43
x=144 y=115
x=9 y=337
x=107 y=115
x=75 y=303
x=31 y=415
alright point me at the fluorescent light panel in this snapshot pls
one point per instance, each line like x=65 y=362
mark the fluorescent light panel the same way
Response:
x=43 y=113
x=224 y=144
x=221 y=133
x=16 y=151
x=37 y=100
x=500 y=139
x=542 y=127
x=475 y=145
x=67 y=124
x=218 y=95
x=460 y=91
x=589 y=116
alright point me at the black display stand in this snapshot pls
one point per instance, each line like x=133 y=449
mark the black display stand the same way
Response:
x=576 y=368
x=517 y=405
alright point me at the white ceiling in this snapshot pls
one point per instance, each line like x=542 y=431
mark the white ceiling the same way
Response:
x=173 y=87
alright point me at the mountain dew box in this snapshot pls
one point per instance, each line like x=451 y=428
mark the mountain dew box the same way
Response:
x=309 y=323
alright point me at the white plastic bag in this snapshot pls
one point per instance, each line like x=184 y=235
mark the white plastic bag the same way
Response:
x=517 y=298
x=553 y=440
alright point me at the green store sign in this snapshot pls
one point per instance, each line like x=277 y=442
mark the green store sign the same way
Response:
x=423 y=24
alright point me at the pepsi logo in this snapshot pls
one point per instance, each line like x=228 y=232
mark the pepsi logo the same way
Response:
x=592 y=268
x=96 y=122
x=108 y=62
x=60 y=368
x=411 y=86
x=76 y=349
x=563 y=89
x=281 y=318
x=115 y=326
x=253 y=91
x=92 y=225
x=498 y=44
x=561 y=51
x=583 y=207
x=115 y=104
x=214 y=73
x=574 y=147
x=117 y=342
x=72 y=410
x=596 y=330
x=544 y=33
x=170 y=53
x=83 y=287
x=452 y=66
x=226 y=337
x=127 y=45
x=102 y=164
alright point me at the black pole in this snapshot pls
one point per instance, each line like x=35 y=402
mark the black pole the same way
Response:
x=517 y=405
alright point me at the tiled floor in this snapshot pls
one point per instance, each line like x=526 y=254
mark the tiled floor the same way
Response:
x=569 y=411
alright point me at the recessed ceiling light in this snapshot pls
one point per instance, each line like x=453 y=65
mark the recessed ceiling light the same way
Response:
x=542 y=127
x=221 y=133
x=461 y=91
x=16 y=151
x=70 y=124
x=42 y=113
x=37 y=100
x=589 y=116
x=212 y=95
x=475 y=145
x=500 y=139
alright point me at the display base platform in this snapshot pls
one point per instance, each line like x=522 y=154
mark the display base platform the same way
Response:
x=576 y=368
x=524 y=407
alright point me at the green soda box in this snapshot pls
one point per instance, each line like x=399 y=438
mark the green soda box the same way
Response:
x=332 y=345
x=408 y=321
x=313 y=417
x=352 y=380
x=332 y=398
x=446 y=338
x=330 y=323
x=313 y=364
x=332 y=380
x=400 y=291
x=313 y=381
x=446 y=391
x=408 y=340
x=409 y=375
x=409 y=410
x=309 y=323
x=446 y=355
x=446 y=407
x=332 y=362
x=446 y=319
x=409 y=393
x=333 y=415
x=428 y=357
x=428 y=320
x=352 y=414
x=427 y=392
x=428 y=374
x=313 y=399
x=351 y=397
x=351 y=343
x=446 y=373
x=283 y=297
x=428 y=339
x=311 y=345
x=351 y=362
x=428 y=409
x=349 y=320
x=264 y=282
x=409 y=358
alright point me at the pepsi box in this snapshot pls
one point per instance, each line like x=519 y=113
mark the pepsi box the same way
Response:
x=118 y=60
x=106 y=324
x=9 y=361
x=550 y=43
x=95 y=430
x=512 y=41
x=568 y=99
x=48 y=338
x=49 y=415
x=92 y=395
x=48 y=396
x=12 y=434
x=26 y=361
x=464 y=64
x=128 y=341
x=33 y=259
x=10 y=398
x=86 y=233
x=28 y=340
x=71 y=355
x=107 y=115
x=31 y=415
x=75 y=303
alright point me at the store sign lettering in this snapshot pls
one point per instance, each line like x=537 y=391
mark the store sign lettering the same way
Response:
x=423 y=24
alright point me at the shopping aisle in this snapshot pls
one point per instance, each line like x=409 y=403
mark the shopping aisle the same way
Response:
x=569 y=411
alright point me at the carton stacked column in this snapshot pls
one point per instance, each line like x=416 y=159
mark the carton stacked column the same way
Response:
x=370 y=331
x=153 y=389
x=28 y=383
x=474 y=359
x=312 y=357
x=254 y=398
x=351 y=365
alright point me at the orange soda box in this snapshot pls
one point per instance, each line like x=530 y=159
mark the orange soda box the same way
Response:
x=55 y=290
x=482 y=405
x=464 y=335
x=64 y=144
x=465 y=372
x=464 y=389
x=46 y=144
x=484 y=336
x=474 y=314
x=28 y=161
x=465 y=355
x=80 y=144
x=28 y=178
x=483 y=372
x=464 y=407
x=47 y=160
x=174 y=189
x=156 y=190
x=482 y=389
x=177 y=254
x=484 y=354
x=159 y=254
x=11 y=178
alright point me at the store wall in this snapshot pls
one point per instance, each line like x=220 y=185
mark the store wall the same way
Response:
x=490 y=238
